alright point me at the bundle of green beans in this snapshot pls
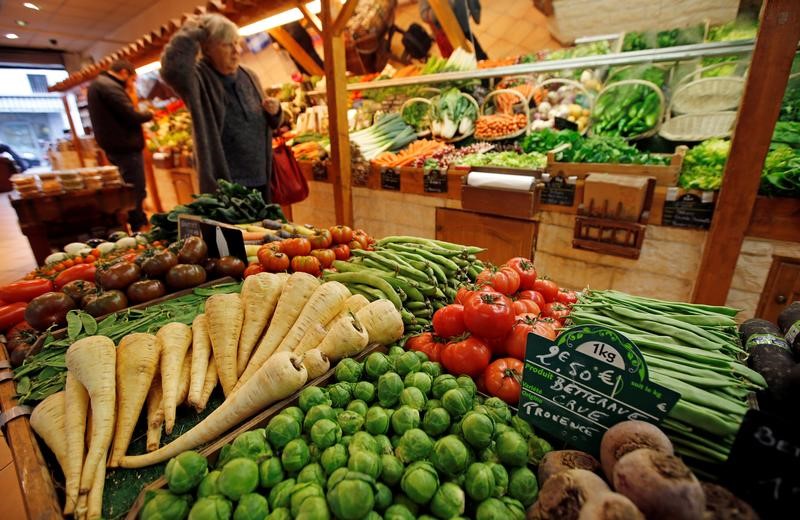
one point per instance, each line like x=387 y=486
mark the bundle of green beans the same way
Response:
x=418 y=275
x=692 y=349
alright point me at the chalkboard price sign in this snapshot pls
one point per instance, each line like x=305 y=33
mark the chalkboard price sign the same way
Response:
x=558 y=191
x=390 y=179
x=221 y=239
x=435 y=181
x=689 y=210
x=586 y=381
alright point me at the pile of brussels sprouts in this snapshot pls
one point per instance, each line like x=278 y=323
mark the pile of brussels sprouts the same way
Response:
x=393 y=438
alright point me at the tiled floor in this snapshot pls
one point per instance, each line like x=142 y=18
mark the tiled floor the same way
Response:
x=10 y=495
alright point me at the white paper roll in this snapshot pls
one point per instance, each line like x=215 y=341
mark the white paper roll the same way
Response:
x=500 y=180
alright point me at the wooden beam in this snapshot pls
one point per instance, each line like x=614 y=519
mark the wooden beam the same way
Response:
x=450 y=26
x=76 y=141
x=282 y=36
x=335 y=79
x=310 y=17
x=344 y=15
x=776 y=44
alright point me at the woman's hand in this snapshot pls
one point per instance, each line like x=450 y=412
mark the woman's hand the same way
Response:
x=271 y=105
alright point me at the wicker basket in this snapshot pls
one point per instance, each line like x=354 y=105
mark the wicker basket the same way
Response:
x=698 y=127
x=577 y=86
x=661 y=107
x=510 y=82
x=471 y=99
x=694 y=94
x=485 y=107
x=410 y=101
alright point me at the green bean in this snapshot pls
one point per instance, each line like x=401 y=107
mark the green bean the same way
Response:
x=430 y=243
x=701 y=382
x=703 y=418
x=423 y=313
x=408 y=318
x=699 y=396
x=412 y=306
x=376 y=282
x=386 y=264
x=400 y=285
x=659 y=324
x=693 y=371
x=715 y=455
x=443 y=261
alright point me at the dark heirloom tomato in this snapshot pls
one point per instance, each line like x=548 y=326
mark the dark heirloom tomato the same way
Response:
x=183 y=276
x=146 y=290
x=117 y=276
x=48 y=309
x=105 y=303
x=230 y=266
x=192 y=251
x=157 y=264
x=21 y=335
x=77 y=289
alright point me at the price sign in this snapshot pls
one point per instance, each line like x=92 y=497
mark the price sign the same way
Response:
x=318 y=171
x=221 y=239
x=558 y=191
x=390 y=179
x=435 y=181
x=586 y=381
x=688 y=210
x=764 y=465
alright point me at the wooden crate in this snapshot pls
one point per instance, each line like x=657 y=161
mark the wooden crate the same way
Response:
x=665 y=175
x=501 y=201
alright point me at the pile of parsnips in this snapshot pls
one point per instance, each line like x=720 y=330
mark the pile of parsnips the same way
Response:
x=261 y=345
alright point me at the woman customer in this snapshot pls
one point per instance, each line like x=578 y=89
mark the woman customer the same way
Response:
x=232 y=120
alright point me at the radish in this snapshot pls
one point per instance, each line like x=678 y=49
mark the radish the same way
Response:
x=201 y=352
x=260 y=295
x=76 y=407
x=225 y=315
x=175 y=340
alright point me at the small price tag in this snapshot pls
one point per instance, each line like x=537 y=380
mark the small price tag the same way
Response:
x=558 y=191
x=221 y=239
x=689 y=210
x=435 y=181
x=390 y=179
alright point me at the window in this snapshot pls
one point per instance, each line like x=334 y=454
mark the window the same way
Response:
x=38 y=83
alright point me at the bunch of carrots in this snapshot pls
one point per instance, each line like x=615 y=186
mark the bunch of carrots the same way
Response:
x=311 y=324
x=505 y=101
x=419 y=148
x=499 y=125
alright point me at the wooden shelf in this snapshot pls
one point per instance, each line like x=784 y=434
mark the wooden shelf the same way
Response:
x=775 y=218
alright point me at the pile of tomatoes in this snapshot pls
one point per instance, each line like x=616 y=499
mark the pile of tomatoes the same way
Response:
x=492 y=320
x=310 y=254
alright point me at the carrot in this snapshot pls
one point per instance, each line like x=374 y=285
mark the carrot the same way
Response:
x=209 y=383
x=298 y=289
x=322 y=307
x=48 y=421
x=186 y=375
x=281 y=376
x=260 y=295
x=76 y=407
x=137 y=361
x=225 y=315
x=201 y=352
x=382 y=322
x=346 y=338
x=155 y=414
x=92 y=360
x=175 y=340
x=254 y=235
x=316 y=363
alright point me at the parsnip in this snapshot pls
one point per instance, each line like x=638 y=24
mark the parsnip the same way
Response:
x=201 y=352
x=316 y=363
x=137 y=361
x=186 y=375
x=209 y=384
x=76 y=408
x=321 y=308
x=298 y=289
x=382 y=322
x=175 y=341
x=155 y=414
x=47 y=420
x=260 y=295
x=317 y=332
x=225 y=314
x=281 y=376
x=93 y=361
x=346 y=338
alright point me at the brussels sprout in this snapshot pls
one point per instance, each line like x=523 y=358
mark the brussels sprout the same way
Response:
x=404 y=419
x=403 y=500
x=185 y=471
x=302 y=491
x=348 y=370
x=512 y=450
x=432 y=404
x=383 y=496
x=280 y=513
x=215 y=507
x=366 y=462
x=413 y=397
x=477 y=429
x=294 y=412
x=523 y=486
x=423 y=357
x=253 y=445
x=467 y=384
x=312 y=396
x=537 y=448
x=312 y=473
x=493 y=509
x=208 y=486
x=501 y=428
x=163 y=505
x=349 y=422
x=488 y=454
x=384 y=444
x=281 y=429
x=251 y=506
x=376 y=365
x=372 y=515
x=389 y=387
x=500 y=479
x=395 y=351
x=414 y=445
x=432 y=368
x=280 y=494
x=522 y=427
x=336 y=476
x=391 y=469
x=479 y=481
x=346 y=440
x=352 y=497
x=314 y=452
x=358 y=406
x=420 y=482
x=362 y=441
x=448 y=501
x=340 y=394
x=365 y=391
x=406 y=363
x=326 y=433
x=515 y=507
x=419 y=380
x=443 y=383
x=398 y=512
x=313 y=508
x=295 y=455
x=317 y=412
x=450 y=455
x=377 y=420
x=270 y=472
x=457 y=402
x=238 y=477
x=498 y=409
x=436 y=422
x=333 y=458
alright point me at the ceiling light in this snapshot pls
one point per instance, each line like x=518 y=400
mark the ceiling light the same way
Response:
x=22 y=23
x=288 y=16
x=31 y=5
x=150 y=67
x=11 y=36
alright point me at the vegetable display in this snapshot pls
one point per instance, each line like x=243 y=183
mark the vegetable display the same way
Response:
x=389 y=133
x=530 y=161
x=452 y=115
x=703 y=165
x=626 y=110
x=597 y=149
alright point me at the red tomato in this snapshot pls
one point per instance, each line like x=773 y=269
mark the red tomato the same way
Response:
x=489 y=314
x=273 y=261
x=469 y=356
x=426 y=343
x=306 y=264
x=296 y=246
x=448 y=321
x=25 y=290
x=322 y=239
x=325 y=256
x=553 y=323
x=251 y=269
x=567 y=297
x=504 y=378
x=526 y=306
x=355 y=244
x=276 y=245
x=548 y=288
x=504 y=279
x=342 y=251
x=12 y=314
x=556 y=310
x=76 y=272
x=481 y=383
x=525 y=270
x=363 y=238
x=542 y=326
x=463 y=293
x=341 y=234
x=534 y=296
x=496 y=345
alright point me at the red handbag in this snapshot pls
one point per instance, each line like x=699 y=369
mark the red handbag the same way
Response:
x=287 y=185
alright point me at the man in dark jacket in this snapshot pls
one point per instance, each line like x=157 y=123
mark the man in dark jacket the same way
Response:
x=117 y=128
